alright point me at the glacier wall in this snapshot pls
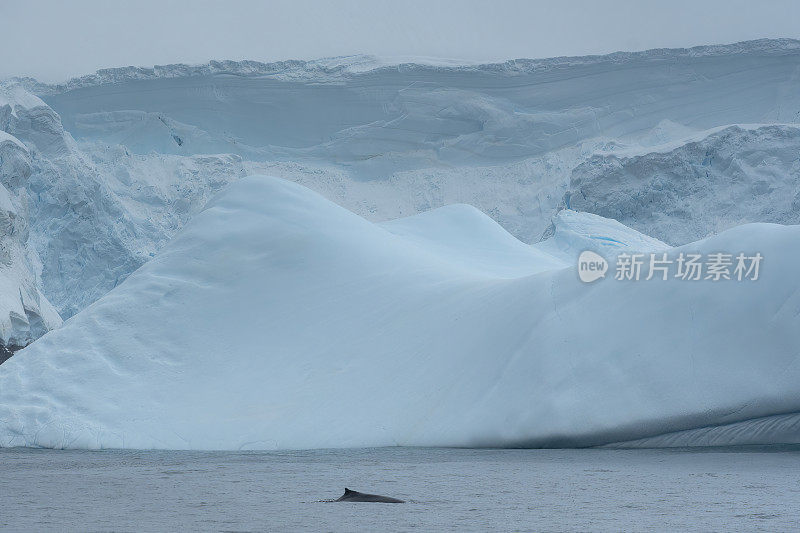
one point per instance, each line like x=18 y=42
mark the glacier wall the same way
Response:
x=380 y=119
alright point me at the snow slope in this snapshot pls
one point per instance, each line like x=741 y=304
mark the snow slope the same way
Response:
x=277 y=319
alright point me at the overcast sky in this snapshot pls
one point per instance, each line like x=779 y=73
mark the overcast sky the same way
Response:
x=54 y=40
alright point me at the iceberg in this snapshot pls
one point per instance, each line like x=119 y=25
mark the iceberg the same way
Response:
x=276 y=319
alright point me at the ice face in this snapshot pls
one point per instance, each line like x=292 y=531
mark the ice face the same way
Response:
x=277 y=319
x=25 y=314
x=697 y=186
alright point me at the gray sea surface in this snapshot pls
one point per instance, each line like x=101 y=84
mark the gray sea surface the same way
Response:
x=723 y=489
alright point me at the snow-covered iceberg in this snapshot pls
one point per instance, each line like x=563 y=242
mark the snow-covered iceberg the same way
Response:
x=277 y=319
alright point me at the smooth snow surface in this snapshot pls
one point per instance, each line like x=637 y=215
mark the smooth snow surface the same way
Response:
x=277 y=319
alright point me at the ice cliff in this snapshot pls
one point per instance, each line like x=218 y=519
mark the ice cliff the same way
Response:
x=25 y=313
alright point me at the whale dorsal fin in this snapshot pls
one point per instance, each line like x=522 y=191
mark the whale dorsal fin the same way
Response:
x=347 y=491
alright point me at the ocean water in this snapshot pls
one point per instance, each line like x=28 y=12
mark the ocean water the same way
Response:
x=734 y=489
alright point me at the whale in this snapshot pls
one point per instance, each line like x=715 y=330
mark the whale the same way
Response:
x=355 y=496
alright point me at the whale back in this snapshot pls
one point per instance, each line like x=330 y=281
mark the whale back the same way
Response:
x=355 y=496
